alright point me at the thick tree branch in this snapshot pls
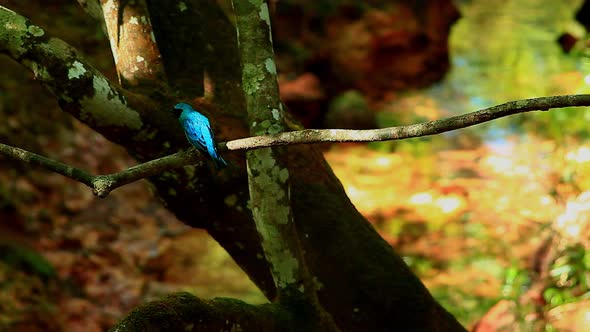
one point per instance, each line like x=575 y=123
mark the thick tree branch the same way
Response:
x=80 y=88
x=178 y=27
x=268 y=176
x=268 y=170
x=87 y=94
x=135 y=51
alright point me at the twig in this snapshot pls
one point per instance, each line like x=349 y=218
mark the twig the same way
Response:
x=102 y=185
x=416 y=130
x=52 y=165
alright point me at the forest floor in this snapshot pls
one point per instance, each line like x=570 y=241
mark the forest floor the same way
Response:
x=464 y=220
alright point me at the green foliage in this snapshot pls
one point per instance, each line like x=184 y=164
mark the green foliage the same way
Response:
x=389 y=119
x=516 y=282
x=420 y=265
x=521 y=59
x=466 y=306
x=351 y=99
x=519 y=55
x=26 y=259
x=558 y=124
x=570 y=277
x=350 y=110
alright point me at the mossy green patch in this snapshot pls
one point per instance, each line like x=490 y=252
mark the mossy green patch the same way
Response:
x=252 y=77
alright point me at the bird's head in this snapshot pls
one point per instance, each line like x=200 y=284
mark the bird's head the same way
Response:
x=180 y=107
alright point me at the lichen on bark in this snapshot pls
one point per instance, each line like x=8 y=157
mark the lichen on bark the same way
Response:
x=268 y=176
x=268 y=172
x=272 y=212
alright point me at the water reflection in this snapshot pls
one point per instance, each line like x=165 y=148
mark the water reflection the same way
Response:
x=508 y=50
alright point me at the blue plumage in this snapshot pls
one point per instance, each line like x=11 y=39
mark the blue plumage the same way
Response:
x=198 y=132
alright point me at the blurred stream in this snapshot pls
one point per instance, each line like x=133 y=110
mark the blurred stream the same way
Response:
x=507 y=50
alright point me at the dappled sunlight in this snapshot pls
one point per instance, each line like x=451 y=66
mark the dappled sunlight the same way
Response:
x=579 y=155
x=450 y=204
x=574 y=222
x=498 y=164
x=482 y=210
x=494 y=219
x=421 y=199
x=571 y=316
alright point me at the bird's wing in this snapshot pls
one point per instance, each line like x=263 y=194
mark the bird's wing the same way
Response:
x=194 y=132
x=210 y=139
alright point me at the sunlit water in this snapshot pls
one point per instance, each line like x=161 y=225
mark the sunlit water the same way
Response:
x=508 y=50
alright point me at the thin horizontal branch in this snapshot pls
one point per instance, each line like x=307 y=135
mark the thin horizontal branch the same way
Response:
x=410 y=131
x=102 y=185
x=52 y=165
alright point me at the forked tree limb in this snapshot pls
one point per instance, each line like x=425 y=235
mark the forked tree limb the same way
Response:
x=102 y=185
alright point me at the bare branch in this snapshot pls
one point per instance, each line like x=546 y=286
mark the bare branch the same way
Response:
x=52 y=165
x=102 y=185
x=416 y=130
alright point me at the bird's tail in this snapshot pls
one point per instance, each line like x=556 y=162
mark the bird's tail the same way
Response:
x=219 y=162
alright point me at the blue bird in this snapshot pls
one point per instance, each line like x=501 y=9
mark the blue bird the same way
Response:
x=198 y=132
